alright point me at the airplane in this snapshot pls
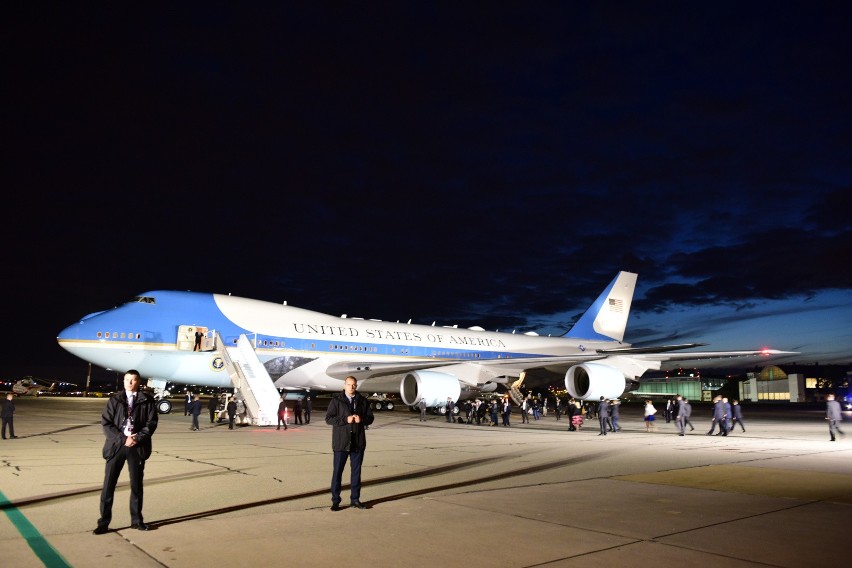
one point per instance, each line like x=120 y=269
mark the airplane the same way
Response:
x=29 y=386
x=305 y=351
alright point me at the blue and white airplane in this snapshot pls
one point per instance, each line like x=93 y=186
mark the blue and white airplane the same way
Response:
x=307 y=351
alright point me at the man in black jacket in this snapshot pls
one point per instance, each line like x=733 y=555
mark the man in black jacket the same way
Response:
x=8 y=415
x=129 y=420
x=232 y=412
x=213 y=406
x=195 y=411
x=350 y=414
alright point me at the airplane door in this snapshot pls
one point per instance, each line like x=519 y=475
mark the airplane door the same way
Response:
x=186 y=338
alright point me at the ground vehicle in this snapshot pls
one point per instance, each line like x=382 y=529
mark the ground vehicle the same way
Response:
x=381 y=401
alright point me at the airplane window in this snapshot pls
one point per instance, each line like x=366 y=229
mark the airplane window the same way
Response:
x=122 y=335
x=106 y=335
x=99 y=334
x=138 y=336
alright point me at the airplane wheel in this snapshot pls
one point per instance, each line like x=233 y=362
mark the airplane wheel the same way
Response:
x=377 y=405
x=164 y=406
x=389 y=406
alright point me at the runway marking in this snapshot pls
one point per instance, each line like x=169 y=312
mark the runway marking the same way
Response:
x=45 y=552
x=770 y=482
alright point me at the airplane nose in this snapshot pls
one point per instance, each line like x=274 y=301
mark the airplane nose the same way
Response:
x=75 y=330
x=70 y=332
x=70 y=338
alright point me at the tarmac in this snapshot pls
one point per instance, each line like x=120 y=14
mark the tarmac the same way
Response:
x=779 y=494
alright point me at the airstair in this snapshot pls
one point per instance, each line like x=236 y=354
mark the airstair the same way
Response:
x=515 y=389
x=251 y=381
x=516 y=395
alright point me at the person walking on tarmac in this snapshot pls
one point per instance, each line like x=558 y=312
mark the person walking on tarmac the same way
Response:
x=282 y=413
x=195 y=411
x=212 y=406
x=232 y=412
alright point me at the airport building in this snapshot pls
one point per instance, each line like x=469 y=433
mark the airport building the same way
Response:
x=800 y=383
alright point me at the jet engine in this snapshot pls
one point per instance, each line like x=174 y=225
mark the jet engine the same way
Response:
x=430 y=386
x=591 y=381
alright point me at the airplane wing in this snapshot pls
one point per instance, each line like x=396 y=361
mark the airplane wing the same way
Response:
x=646 y=354
x=374 y=372
x=699 y=355
x=367 y=369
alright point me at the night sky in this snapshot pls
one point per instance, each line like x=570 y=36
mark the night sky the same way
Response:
x=474 y=164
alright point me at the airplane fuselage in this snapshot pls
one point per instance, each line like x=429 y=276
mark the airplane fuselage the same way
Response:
x=143 y=334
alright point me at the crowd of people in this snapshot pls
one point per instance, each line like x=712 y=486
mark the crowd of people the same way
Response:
x=725 y=415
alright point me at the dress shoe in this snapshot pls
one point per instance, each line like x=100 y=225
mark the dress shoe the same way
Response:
x=13 y=437
x=100 y=530
x=140 y=527
x=335 y=506
x=357 y=505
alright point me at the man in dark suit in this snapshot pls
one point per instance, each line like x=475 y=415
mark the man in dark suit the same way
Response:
x=603 y=415
x=212 y=406
x=308 y=408
x=129 y=420
x=297 y=411
x=719 y=417
x=450 y=415
x=232 y=412
x=350 y=414
x=195 y=411
x=681 y=416
x=506 y=410
x=7 y=414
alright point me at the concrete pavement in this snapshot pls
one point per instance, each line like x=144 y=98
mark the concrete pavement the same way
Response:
x=528 y=495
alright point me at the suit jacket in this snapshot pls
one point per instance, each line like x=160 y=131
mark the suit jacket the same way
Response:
x=832 y=410
x=347 y=437
x=195 y=407
x=144 y=419
x=8 y=410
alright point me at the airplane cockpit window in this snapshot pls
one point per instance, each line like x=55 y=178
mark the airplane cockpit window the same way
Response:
x=143 y=300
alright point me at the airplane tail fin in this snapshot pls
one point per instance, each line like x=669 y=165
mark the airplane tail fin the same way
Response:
x=606 y=319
